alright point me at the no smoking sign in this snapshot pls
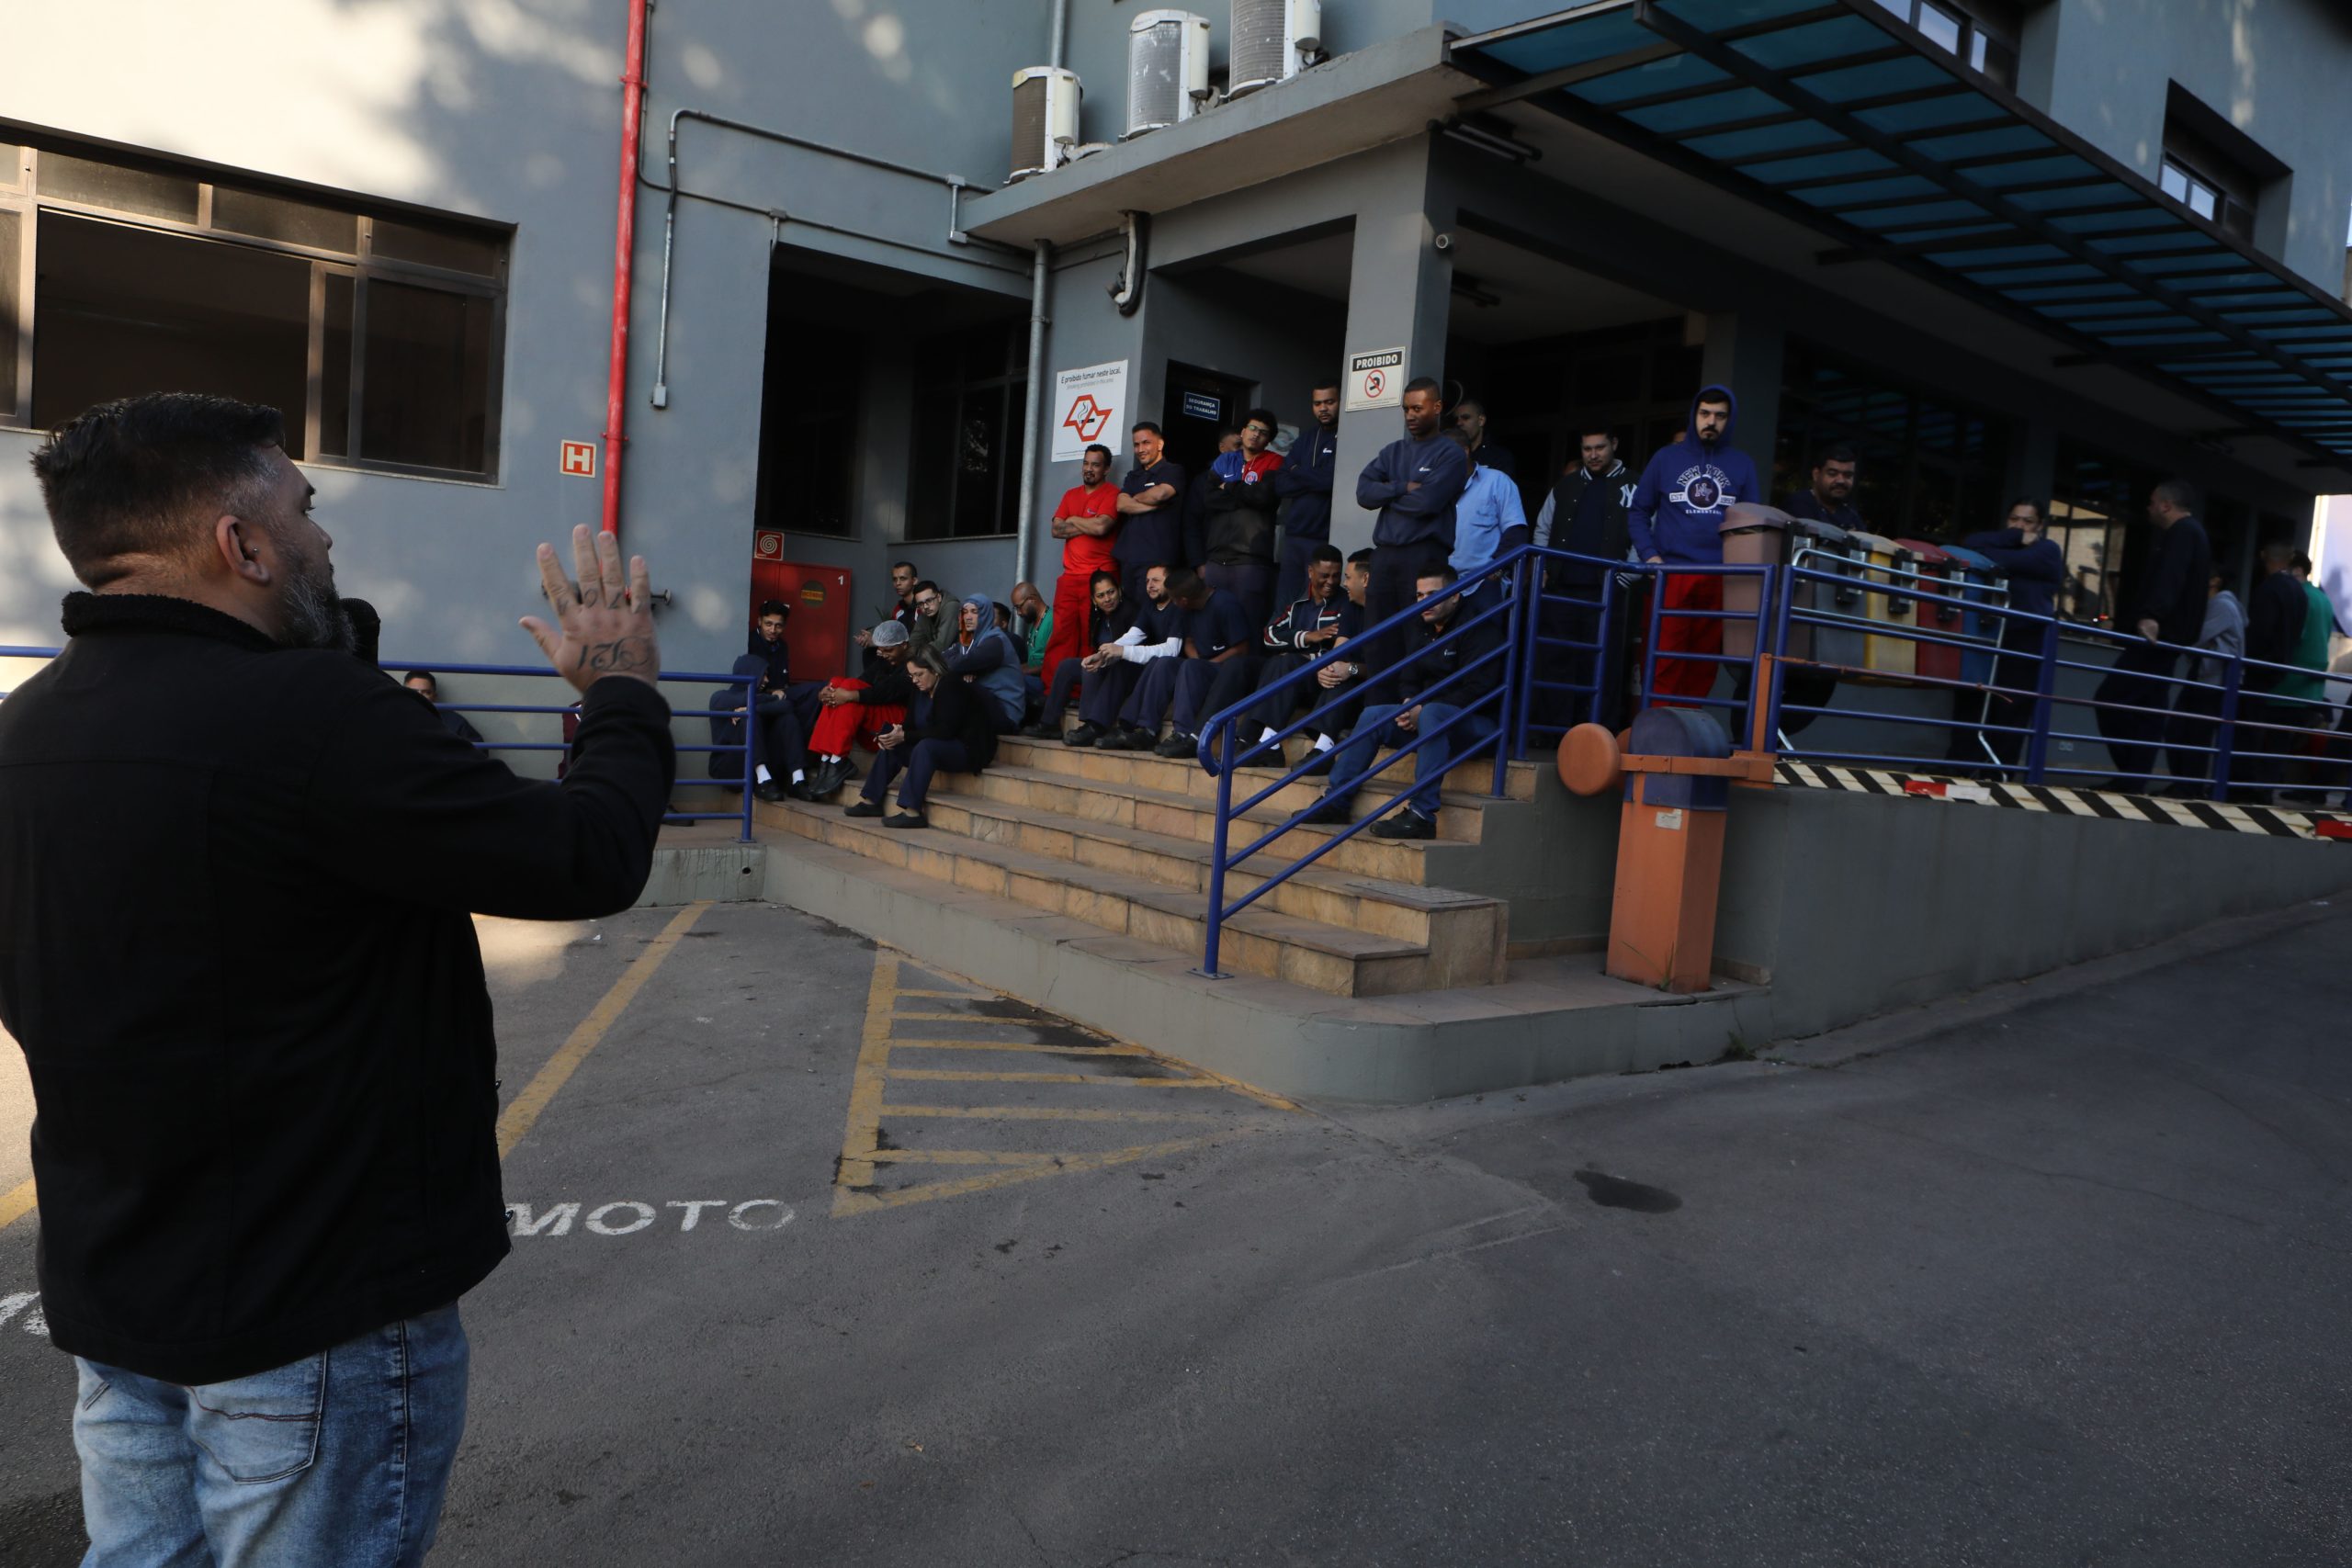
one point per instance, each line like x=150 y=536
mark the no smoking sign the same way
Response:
x=1375 y=380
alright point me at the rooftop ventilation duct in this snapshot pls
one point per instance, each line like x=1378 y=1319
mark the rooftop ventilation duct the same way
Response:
x=1167 y=69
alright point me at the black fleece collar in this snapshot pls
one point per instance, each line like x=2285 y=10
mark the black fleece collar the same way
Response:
x=85 y=613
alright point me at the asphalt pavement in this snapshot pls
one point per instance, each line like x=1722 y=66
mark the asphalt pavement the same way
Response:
x=825 y=1259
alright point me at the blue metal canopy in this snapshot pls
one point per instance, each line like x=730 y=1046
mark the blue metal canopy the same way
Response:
x=1840 y=115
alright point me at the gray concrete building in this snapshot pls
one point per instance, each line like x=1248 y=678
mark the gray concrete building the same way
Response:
x=2001 y=247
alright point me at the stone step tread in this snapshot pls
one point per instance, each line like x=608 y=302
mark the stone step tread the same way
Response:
x=1261 y=816
x=1521 y=774
x=1263 y=864
x=1334 y=940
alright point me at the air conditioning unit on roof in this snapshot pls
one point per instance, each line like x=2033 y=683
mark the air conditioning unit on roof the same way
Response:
x=1045 y=120
x=1273 y=40
x=1167 y=69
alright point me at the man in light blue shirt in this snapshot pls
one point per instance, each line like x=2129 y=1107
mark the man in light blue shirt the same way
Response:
x=1490 y=520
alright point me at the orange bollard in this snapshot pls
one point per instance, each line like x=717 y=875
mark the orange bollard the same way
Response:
x=1677 y=767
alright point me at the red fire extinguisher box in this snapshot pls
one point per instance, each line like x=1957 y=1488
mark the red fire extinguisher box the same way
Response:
x=823 y=610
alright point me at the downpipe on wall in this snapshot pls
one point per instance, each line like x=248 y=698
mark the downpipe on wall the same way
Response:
x=1024 y=541
x=624 y=255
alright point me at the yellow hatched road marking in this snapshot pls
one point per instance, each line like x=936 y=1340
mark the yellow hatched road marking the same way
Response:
x=1032 y=1021
x=1049 y=1114
x=848 y=1202
x=17 y=1202
x=865 y=1127
x=966 y=1156
x=515 y=1122
x=957 y=1075
x=1019 y=1046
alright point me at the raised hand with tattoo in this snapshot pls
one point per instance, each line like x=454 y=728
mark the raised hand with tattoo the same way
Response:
x=604 y=624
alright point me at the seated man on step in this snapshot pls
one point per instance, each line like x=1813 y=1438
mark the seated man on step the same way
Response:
x=1209 y=630
x=948 y=730
x=1450 y=731
x=1323 y=618
x=1111 y=617
x=849 y=712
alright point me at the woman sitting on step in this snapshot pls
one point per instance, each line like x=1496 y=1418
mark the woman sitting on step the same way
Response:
x=949 y=730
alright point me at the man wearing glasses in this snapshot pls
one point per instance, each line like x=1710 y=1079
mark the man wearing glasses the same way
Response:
x=1241 y=519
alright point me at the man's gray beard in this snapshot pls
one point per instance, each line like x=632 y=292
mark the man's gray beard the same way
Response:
x=311 y=613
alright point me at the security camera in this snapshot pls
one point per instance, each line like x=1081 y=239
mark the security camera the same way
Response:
x=1444 y=241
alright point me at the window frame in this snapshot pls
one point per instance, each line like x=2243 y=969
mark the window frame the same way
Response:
x=360 y=264
x=1008 y=384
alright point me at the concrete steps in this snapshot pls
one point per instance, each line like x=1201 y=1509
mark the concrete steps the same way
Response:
x=1374 y=939
x=1123 y=842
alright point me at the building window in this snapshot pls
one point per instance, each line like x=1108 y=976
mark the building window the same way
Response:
x=2212 y=168
x=964 y=481
x=379 y=337
x=1982 y=32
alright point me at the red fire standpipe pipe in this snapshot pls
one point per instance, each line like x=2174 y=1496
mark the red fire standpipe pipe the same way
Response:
x=623 y=256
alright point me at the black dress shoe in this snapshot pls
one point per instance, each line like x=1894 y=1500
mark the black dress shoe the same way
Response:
x=1407 y=824
x=1041 y=731
x=798 y=790
x=1328 y=813
x=1126 y=740
x=907 y=819
x=769 y=790
x=1175 y=746
x=1084 y=735
x=864 y=808
x=1321 y=766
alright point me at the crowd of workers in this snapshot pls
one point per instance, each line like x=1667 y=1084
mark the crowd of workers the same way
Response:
x=1180 y=595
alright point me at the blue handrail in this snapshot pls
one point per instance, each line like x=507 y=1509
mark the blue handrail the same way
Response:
x=747 y=714
x=1221 y=751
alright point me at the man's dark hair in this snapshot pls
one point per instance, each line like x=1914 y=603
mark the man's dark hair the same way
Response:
x=2279 y=553
x=1469 y=403
x=906 y=566
x=130 y=477
x=1225 y=430
x=1003 y=615
x=1362 y=558
x=1143 y=425
x=1097 y=447
x=2018 y=501
x=1265 y=417
x=772 y=607
x=2181 y=493
x=1327 y=554
x=1839 y=453
x=1330 y=386
x=1185 y=583
x=1594 y=427
x=1424 y=384
x=1099 y=578
x=926 y=582
x=1458 y=435
x=1715 y=395
x=1441 y=572
x=2303 y=563
x=422 y=675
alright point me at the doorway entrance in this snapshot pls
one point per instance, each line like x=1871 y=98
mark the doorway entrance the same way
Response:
x=1195 y=406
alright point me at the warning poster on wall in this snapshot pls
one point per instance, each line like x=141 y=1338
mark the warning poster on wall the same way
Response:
x=1375 y=380
x=1088 y=406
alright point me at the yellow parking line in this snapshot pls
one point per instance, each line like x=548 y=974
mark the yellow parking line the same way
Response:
x=952 y=996
x=965 y=1157
x=1048 y=1113
x=847 y=1202
x=516 y=1121
x=17 y=1202
x=864 y=1128
x=1032 y=1022
x=956 y=1074
x=1019 y=1045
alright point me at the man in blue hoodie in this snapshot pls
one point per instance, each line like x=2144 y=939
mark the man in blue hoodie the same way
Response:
x=1413 y=484
x=1677 y=509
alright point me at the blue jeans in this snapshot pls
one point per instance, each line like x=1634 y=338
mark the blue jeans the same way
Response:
x=1378 y=727
x=342 y=1457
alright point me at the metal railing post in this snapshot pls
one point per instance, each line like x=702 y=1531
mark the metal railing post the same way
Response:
x=1648 y=693
x=2225 y=737
x=2046 y=684
x=1216 y=849
x=1609 y=593
x=750 y=716
x=1532 y=584
x=1516 y=675
x=1783 y=614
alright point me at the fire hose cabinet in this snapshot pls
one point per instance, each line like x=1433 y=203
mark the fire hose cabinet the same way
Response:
x=1887 y=654
x=1676 y=767
x=1942 y=615
x=817 y=632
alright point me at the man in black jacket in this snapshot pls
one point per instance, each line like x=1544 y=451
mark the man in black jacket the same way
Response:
x=266 y=1087
x=1316 y=623
x=1438 y=719
x=1585 y=514
x=2171 y=610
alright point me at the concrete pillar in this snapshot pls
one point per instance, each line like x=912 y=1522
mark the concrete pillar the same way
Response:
x=2033 y=467
x=1400 y=292
x=1744 y=351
